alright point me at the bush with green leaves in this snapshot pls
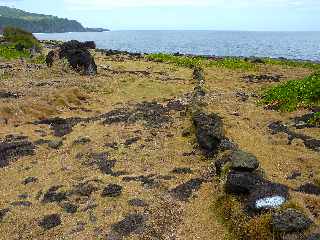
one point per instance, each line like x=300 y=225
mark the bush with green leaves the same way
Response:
x=294 y=94
x=9 y=52
x=21 y=39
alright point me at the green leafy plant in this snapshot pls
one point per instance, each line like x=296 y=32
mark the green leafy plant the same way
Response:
x=193 y=62
x=9 y=52
x=293 y=63
x=294 y=94
x=315 y=120
x=21 y=39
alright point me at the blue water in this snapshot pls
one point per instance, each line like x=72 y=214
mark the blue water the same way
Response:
x=292 y=45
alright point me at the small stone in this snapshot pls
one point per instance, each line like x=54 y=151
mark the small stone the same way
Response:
x=243 y=161
x=290 y=220
x=136 y=202
x=55 y=144
x=112 y=190
x=309 y=188
x=50 y=221
x=29 y=180
x=227 y=145
x=21 y=204
x=294 y=175
x=69 y=207
x=52 y=195
x=182 y=171
x=3 y=213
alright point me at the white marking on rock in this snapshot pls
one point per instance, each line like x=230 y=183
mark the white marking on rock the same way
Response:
x=270 y=202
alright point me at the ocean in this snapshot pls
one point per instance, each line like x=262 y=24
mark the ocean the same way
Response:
x=291 y=45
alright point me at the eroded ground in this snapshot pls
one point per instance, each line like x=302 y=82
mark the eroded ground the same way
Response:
x=112 y=156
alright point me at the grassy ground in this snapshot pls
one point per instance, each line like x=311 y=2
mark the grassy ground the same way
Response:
x=156 y=152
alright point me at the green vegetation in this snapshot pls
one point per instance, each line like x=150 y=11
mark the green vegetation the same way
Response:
x=293 y=63
x=37 y=22
x=9 y=52
x=193 y=62
x=21 y=39
x=315 y=120
x=294 y=94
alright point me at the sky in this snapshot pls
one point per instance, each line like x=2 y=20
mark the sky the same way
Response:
x=251 y=15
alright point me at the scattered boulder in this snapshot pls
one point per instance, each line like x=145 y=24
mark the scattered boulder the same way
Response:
x=60 y=126
x=184 y=191
x=13 y=147
x=69 y=207
x=243 y=161
x=29 y=180
x=136 y=202
x=209 y=131
x=112 y=190
x=242 y=182
x=21 y=204
x=53 y=195
x=133 y=223
x=182 y=171
x=290 y=220
x=131 y=141
x=50 y=221
x=227 y=144
x=55 y=144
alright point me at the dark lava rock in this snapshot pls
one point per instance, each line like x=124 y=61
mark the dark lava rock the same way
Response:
x=29 y=180
x=13 y=147
x=184 y=191
x=69 y=207
x=131 y=141
x=129 y=225
x=315 y=236
x=60 y=126
x=136 y=202
x=176 y=105
x=52 y=195
x=41 y=142
x=267 y=196
x=85 y=189
x=77 y=54
x=294 y=175
x=290 y=220
x=21 y=204
x=50 y=221
x=3 y=213
x=55 y=144
x=305 y=121
x=209 y=131
x=198 y=74
x=262 y=78
x=182 y=171
x=146 y=181
x=112 y=190
x=243 y=161
x=242 y=182
x=226 y=144
x=4 y=94
x=82 y=141
x=309 y=188
x=309 y=142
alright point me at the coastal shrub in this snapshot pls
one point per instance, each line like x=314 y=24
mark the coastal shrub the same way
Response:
x=294 y=94
x=293 y=63
x=21 y=39
x=198 y=61
x=9 y=52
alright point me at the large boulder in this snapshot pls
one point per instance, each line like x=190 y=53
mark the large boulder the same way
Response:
x=77 y=54
x=290 y=220
x=242 y=182
x=209 y=131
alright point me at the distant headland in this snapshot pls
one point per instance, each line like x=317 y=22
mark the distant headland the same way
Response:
x=40 y=23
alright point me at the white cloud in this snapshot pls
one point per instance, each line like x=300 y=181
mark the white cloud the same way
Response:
x=110 y=4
